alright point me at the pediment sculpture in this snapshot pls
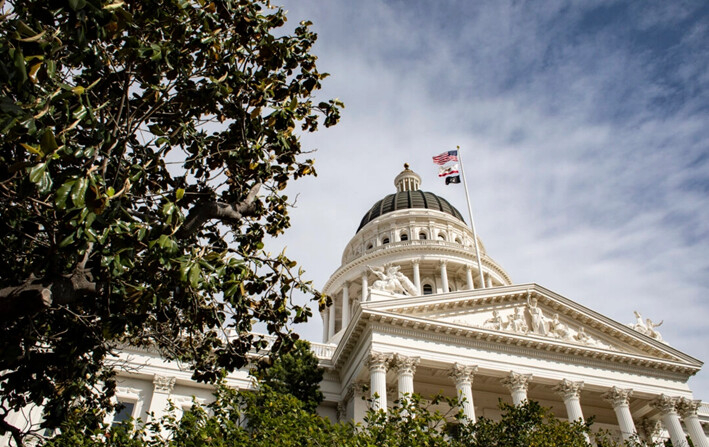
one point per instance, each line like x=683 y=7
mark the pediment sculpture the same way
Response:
x=531 y=320
x=392 y=280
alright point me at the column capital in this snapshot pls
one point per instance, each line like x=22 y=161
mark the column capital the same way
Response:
x=687 y=407
x=462 y=373
x=404 y=365
x=568 y=389
x=443 y=262
x=665 y=404
x=163 y=384
x=648 y=428
x=415 y=261
x=617 y=396
x=377 y=361
x=356 y=390
x=517 y=381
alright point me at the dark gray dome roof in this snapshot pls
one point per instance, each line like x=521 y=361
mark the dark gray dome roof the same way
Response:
x=406 y=200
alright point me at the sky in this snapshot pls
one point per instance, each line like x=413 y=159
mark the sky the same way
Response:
x=584 y=130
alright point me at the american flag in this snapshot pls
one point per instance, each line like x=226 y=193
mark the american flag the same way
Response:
x=445 y=157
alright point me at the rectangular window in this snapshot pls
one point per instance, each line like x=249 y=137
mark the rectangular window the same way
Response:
x=124 y=411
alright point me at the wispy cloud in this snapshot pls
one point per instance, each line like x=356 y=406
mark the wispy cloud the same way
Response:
x=585 y=131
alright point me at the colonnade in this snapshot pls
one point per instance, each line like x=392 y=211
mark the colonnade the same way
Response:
x=330 y=315
x=671 y=409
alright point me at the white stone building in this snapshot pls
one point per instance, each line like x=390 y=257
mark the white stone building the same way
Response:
x=413 y=312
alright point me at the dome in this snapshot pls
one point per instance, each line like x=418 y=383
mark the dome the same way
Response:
x=406 y=200
x=409 y=196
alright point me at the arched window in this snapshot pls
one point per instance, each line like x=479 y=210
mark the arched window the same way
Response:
x=369 y=246
x=404 y=237
x=385 y=240
x=427 y=289
x=458 y=241
x=442 y=236
x=422 y=236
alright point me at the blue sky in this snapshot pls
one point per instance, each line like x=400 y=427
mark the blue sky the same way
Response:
x=585 y=131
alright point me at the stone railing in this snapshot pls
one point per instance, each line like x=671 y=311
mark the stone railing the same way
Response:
x=321 y=350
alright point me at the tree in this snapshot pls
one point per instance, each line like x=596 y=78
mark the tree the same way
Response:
x=145 y=149
x=296 y=373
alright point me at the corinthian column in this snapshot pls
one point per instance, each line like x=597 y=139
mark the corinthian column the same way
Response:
x=365 y=286
x=620 y=400
x=377 y=364
x=417 y=275
x=405 y=368
x=463 y=377
x=517 y=384
x=669 y=417
x=687 y=408
x=444 y=277
x=571 y=393
x=469 y=277
x=345 y=304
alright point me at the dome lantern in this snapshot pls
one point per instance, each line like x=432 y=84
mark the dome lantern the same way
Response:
x=407 y=180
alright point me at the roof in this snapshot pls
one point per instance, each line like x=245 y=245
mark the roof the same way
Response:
x=407 y=200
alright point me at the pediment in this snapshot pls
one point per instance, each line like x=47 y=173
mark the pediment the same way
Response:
x=532 y=315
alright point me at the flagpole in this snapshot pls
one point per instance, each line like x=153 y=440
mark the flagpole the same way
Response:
x=472 y=222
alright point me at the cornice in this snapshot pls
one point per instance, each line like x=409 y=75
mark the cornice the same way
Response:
x=573 y=310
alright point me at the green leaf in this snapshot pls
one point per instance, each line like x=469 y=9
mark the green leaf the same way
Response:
x=179 y=193
x=78 y=192
x=194 y=275
x=48 y=142
x=62 y=194
x=66 y=241
x=37 y=172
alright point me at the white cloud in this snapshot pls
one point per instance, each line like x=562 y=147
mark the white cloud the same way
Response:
x=585 y=136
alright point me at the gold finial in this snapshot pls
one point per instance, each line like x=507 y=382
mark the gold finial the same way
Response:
x=406 y=166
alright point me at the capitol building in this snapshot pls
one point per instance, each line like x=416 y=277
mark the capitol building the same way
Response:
x=419 y=306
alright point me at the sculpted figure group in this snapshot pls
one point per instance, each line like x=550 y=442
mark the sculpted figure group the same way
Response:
x=392 y=280
x=646 y=327
x=539 y=324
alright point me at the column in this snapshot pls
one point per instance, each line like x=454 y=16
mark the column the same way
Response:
x=517 y=384
x=377 y=364
x=345 y=304
x=444 y=277
x=331 y=325
x=670 y=419
x=417 y=275
x=325 y=324
x=687 y=409
x=462 y=375
x=469 y=277
x=648 y=429
x=620 y=400
x=365 y=286
x=489 y=280
x=571 y=393
x=162 y=389
x=405 y=368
